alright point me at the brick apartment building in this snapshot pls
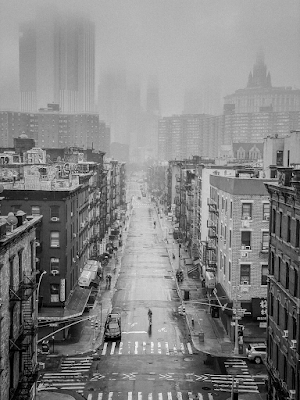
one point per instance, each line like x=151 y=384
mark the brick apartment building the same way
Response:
x=283 y=332
x=239 y=234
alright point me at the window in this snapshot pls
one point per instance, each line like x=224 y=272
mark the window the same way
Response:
x=295 y=283
x=265 y=240
x=229 y=271
x=297 y=242
x=279 y=269
x=231 y=209
x=224 y=264
x=272 y=263
x=246 y=240
x=273 y=221
x=35 y=210
x=54 y=292
x=54 y=211
x=230 y=238
x=278 y=312
x=286 y=320
x=280 y=224
x=54 y=239
x=245 y=274
x=279 y=158
x=266 y=211
x=288 y=235
x=264 y=273
x=271 y=305
x=287 y=275
x=246 y=210
x=54 y=264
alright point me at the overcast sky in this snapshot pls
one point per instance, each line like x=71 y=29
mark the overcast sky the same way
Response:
x=183 y=41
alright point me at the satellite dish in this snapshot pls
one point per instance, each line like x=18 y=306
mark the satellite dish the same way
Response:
x=11 y=219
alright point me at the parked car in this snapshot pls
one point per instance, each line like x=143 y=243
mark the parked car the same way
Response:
x=112 y=329
x=256 y=352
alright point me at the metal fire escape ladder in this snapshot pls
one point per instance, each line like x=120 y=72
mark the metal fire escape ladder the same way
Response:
x=195 y=250
x=25 y=341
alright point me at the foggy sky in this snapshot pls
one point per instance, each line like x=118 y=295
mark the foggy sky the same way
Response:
x=184 y=42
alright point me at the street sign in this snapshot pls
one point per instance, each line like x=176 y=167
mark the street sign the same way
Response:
x=54 y=325
x=236 y=317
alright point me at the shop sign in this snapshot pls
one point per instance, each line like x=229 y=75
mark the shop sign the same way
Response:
x=259 y=308
x=62 y=290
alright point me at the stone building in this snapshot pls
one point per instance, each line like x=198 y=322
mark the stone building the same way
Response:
x=18 y=322
x=283 y=333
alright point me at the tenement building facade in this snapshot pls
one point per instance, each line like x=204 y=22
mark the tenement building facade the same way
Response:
x=283 y=324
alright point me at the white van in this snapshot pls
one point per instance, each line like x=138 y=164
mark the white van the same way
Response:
x=85 y=278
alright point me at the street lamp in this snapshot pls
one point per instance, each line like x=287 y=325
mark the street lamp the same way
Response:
x=38 y=286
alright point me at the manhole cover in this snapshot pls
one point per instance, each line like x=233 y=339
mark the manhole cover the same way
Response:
x=188 y=359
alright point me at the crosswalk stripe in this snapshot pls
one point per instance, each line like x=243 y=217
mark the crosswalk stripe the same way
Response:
x=167 y=348
x=144 y=347
x=175 y=349
x=200 y=396
x=129 y=397
x=136 y=347
x=140 y=395
x=110 y=395
x=159 y=348
x=210 y=396
x=189 y=348
x=121 y=348
x=149 y=396
x=152 y=348
x=104 y=348
x=169 y=396
x=129 y=344
x=100 y=395
x=182 y=348
x=113 y=348
x=160 y=396
x=90 y=396
x=190 y=394
x=179 y=396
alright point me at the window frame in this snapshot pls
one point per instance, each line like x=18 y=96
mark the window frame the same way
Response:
x=243 y=275
x=264 y=277
x=245 y=214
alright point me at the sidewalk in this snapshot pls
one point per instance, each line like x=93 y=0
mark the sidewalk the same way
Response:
x=208 y=334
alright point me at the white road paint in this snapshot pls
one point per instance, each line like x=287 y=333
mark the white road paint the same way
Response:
x=189 y=348
x=167 y=348
x=104 y=348
x=112 y=350
x=121 y=348
x=159 y=347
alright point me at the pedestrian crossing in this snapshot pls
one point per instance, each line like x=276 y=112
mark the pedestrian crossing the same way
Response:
x=238 y=374
x=139 y=348
x=180 y=395
x=73 y=375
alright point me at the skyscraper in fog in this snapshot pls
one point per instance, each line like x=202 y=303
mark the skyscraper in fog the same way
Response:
x=57 y=62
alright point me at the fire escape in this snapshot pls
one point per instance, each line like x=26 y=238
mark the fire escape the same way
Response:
x=23 y=342
x=210 y=254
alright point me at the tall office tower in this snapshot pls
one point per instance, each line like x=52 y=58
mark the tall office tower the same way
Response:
x=203 y=98
x=57 y=62
x=152 y=116
x=112 y=107
x=260 y=95
x=133 y=114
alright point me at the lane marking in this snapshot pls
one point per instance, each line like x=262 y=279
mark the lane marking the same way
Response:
x=121 y=348
x=159 y=347
x=104 y=348
x=167 y=348
x=136 y=345
x=190 y=350
x=113 y=348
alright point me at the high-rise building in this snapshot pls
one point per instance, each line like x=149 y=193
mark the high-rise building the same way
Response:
x=260 y=95
x=57 y=62
x=112 y=107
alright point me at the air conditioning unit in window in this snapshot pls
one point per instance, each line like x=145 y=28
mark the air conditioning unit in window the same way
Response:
x=54 y=272
x=244 y=254
x=74 y=235
x=285 y=334
x=82 y=225
x=247 y=247
x=293 y=344
x=292 y=394
x=38 y=244
x=54 y=219
x=267 y=217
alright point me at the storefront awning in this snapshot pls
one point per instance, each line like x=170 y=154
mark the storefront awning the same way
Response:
x=74 y=307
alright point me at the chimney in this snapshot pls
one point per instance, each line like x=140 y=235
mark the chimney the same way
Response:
x=21 y=216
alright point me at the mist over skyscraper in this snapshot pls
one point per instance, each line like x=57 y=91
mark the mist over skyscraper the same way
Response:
x=57 y=62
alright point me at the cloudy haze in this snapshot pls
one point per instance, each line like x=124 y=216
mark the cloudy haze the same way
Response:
x=184 y=42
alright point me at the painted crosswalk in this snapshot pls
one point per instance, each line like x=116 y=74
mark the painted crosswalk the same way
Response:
x=237 y=374
x=73 y=375
x=182 y=395
x=139 y=348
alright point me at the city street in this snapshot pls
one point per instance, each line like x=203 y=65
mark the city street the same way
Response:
x=155 y=361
